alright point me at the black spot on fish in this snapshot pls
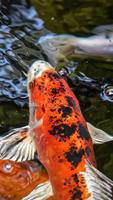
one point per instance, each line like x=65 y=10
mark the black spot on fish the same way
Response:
x=88 y=151
x=65 y=111
x=63 y=131
x=58 y=121
x=76 y=194
x=70 y=101
x=62 y=89
x=54 y=75
x=52 y=100
x=53 y=109
x=39 y=87
x=84 y=132
x=52 y=118
x=43 y=108
x=75 y=177
x=54 y=91
x=73 y=156
x=57 y=91
x=67 y=181
x=61 y=84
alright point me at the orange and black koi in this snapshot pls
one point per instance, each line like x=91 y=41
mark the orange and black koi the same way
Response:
x=60 y=132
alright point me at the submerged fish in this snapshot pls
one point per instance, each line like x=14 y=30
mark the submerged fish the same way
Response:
x=60 y=48
x=61 y=137
x=19 y=179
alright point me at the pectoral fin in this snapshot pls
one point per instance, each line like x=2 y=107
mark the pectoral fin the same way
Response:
x=41 y=192
x=98 y=136
x=17 y=145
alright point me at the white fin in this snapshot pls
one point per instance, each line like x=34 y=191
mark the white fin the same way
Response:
x=18 y=145
x=98 y=184
x=98 y=136
x=41 y=192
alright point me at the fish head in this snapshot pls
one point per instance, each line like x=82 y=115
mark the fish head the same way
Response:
x=18 y=179
x=36 y=76
x=37 y=69
x=37 y=84
x=16 y=176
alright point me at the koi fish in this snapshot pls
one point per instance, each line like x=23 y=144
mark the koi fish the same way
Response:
x=63 y=143
x=61 y=48
x=19 y=179
x=61 y=137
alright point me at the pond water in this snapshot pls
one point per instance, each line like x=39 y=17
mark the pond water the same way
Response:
x=91 y=79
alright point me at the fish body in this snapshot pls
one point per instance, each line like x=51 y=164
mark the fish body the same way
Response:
x=17 y=180
x=60 y=132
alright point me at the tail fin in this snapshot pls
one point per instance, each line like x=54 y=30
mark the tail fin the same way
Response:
x=41 y=192
x=98 y=136
x=17 y=145
x=100 y=187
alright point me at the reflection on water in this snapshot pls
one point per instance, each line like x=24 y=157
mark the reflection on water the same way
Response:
x=90 y=79
x=18 y=33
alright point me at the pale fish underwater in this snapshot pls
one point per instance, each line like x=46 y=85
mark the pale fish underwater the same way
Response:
x=62 y=138
x=60 y=48
x=23 y=179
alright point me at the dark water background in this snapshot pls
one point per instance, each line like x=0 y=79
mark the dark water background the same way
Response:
x=90 y=79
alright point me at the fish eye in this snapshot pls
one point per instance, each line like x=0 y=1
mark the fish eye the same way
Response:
x=36 y=71
x=7 y=168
